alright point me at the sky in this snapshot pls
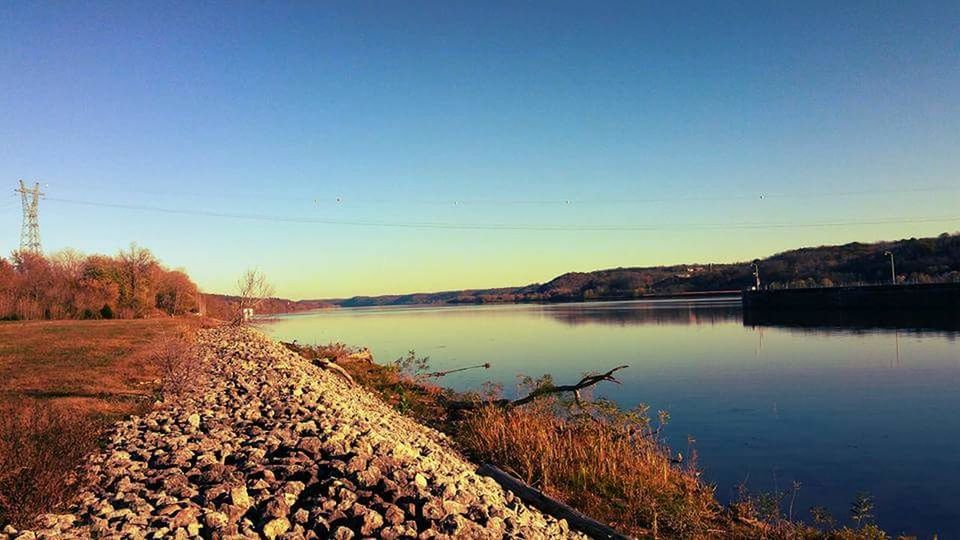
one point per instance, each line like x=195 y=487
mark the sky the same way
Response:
x=349 y=148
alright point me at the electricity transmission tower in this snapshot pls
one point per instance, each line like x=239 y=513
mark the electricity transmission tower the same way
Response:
x=30 y=232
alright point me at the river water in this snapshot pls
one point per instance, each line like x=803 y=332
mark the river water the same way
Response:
x=840 y=408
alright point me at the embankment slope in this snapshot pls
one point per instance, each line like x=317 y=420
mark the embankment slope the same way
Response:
x=269 y=445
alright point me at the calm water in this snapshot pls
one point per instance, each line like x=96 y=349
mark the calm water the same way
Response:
x=845 y=408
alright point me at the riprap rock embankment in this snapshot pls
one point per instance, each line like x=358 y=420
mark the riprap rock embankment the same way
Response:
x=270 y=445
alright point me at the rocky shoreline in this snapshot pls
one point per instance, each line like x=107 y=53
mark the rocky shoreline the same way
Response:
x=271 y=446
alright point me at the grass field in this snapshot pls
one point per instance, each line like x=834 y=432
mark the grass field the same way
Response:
x=98 y=367
x=61 y=384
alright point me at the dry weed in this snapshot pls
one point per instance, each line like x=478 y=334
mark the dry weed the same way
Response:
x=178 y=362
x=41 y=446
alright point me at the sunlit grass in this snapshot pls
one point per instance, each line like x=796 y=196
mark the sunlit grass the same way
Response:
x=608 y=465
x=63 y=383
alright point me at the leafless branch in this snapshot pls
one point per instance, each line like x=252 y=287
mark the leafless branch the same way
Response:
x=252 y=289
x=583 y=383
x=438 y=374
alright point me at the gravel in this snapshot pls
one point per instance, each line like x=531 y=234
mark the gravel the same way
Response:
x=270 y=446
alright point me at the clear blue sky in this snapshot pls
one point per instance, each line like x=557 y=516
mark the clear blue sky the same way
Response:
x=645 y=116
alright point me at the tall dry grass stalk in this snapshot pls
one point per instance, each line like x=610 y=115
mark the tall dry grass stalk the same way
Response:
x=608 y=465
x=41 y=445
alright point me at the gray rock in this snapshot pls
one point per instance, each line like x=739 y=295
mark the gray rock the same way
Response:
x=270 y=445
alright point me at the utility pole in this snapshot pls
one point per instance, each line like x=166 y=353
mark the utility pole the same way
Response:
x=30 y=231
x=893 y=269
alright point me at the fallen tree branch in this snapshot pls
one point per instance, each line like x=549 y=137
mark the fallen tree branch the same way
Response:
x=585 y=382
x=547 y=505
x=327 y=364
x=438 y=374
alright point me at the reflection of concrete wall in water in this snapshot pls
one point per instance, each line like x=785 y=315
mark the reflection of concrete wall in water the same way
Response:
x=692 y=313
x=853 y=320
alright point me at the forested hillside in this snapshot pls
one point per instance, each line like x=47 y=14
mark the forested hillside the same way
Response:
x=917 y=261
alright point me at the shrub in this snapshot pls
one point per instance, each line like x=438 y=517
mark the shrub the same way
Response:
x=178 y=363
x=40 y=448
x=334 y=352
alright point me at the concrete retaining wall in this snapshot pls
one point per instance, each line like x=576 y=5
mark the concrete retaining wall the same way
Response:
x=943 y=297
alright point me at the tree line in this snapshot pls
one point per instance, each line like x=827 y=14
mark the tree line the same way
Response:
x=131 y=284
x=70 y=285
x=918 y=260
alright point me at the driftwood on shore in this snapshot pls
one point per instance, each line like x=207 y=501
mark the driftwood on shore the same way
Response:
x=327 y=364
x=536 y=498
x=586 y=382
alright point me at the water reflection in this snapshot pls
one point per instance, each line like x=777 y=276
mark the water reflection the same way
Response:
x=724 y=310
x=840 y=404
x=860 y=320
x=646 y=313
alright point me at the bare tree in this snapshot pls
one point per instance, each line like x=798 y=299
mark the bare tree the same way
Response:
x=70 y=263
x=136 y=268
x=253 y=289
x=65 y=288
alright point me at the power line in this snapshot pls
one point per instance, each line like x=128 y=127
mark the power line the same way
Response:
x=508 y=226
x=9 y=203
x=327 y=198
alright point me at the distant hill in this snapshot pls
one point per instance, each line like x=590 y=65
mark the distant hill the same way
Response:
x=917 y=260
x=444 y=297
x=225 y=306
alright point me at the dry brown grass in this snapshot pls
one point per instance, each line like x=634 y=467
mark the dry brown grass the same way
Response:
x=333 y=351
x=608 y=465
x=41 y=444
x=64 y=382
x=102 y=367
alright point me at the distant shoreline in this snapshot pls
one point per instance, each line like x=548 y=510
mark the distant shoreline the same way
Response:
x=923 y=260
x=708 y=295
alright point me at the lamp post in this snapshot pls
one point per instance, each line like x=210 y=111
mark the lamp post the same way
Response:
x=893 y=269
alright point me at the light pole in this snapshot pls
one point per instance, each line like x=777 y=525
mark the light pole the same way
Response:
x=893 y=269
x=756 y=274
